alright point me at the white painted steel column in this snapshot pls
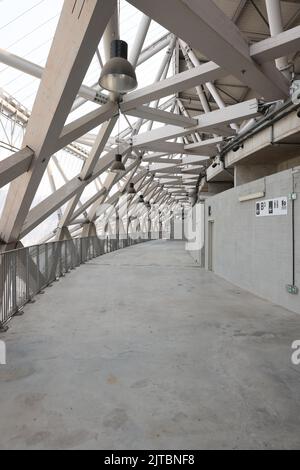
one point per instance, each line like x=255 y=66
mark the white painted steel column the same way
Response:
x=139 y=40
x=276 y=27
x=153 y=49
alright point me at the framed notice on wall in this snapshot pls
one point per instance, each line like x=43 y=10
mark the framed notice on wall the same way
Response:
x=272 y=207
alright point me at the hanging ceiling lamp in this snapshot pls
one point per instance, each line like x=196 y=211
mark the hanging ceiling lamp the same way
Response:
x=141 y=200
x=118 y=74
x=131 y=190
x=118 y=165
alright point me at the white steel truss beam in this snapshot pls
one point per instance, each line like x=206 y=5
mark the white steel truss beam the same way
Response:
x=277 y=46
x=15 y=165
x=139 y=40
x=76 y=39
x=153 y=114
x=96 y=197
x=88 y=168
x=163 y=160
x=180 y=82
x=207 y=122
x=261 y=52
x=193 y=160
x=113 y=200
x=110 y=181
x=165 y=148
x=53 y=202
x=84 y=124
x=206 y=147
x=206 y=28
x=62 y=173
x=154 y=48
x=34 y=70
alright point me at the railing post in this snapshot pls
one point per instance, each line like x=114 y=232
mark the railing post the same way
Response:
x=38 y=267
x=66 y=256
x=46 y=264
x=13 y=281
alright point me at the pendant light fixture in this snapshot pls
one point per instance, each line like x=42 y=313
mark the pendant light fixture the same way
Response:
x=141 y=200
x=118 y=165
x=118 y=75
x=131 y=190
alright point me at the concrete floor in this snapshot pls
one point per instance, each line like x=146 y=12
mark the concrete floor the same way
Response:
x=143 y=349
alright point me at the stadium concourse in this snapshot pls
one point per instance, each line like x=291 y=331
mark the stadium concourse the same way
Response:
x=149 y=224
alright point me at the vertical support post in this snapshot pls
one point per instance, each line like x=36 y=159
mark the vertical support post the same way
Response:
x=27 y=287
x=13 y=264
x=276 y=27
x=118 y=232
x=38 y=267
x=149 y=226
x=160 y=226
x=172 y=226
x=46 y=265
x=139 y=40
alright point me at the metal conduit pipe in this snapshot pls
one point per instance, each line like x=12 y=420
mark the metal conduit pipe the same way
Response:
x=263 y=123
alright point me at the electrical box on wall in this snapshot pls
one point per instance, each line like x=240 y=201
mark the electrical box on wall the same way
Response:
x=292 y=289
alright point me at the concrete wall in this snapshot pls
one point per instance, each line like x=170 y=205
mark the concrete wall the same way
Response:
x=252 y=252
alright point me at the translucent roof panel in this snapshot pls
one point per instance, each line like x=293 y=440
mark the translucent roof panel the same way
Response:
x=26 y=29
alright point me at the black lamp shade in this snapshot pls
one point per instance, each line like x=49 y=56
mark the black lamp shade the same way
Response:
x=118 y=74
x=131 y=189
x=118 y=165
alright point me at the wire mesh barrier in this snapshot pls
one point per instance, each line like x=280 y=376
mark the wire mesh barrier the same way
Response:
x=25 y=272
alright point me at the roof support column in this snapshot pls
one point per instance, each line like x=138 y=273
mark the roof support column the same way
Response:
x=276 y=27
x=139 y=40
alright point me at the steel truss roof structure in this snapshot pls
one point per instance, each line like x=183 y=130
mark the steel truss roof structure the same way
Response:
x=223 y=64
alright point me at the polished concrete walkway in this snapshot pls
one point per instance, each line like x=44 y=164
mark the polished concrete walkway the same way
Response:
x=143 y=349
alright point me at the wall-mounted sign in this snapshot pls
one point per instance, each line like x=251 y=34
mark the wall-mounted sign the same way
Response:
x=269 y=207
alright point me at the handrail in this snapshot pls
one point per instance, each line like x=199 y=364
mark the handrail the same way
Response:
x=26 y=272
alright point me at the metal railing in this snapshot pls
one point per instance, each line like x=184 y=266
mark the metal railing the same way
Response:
x=26 y=272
